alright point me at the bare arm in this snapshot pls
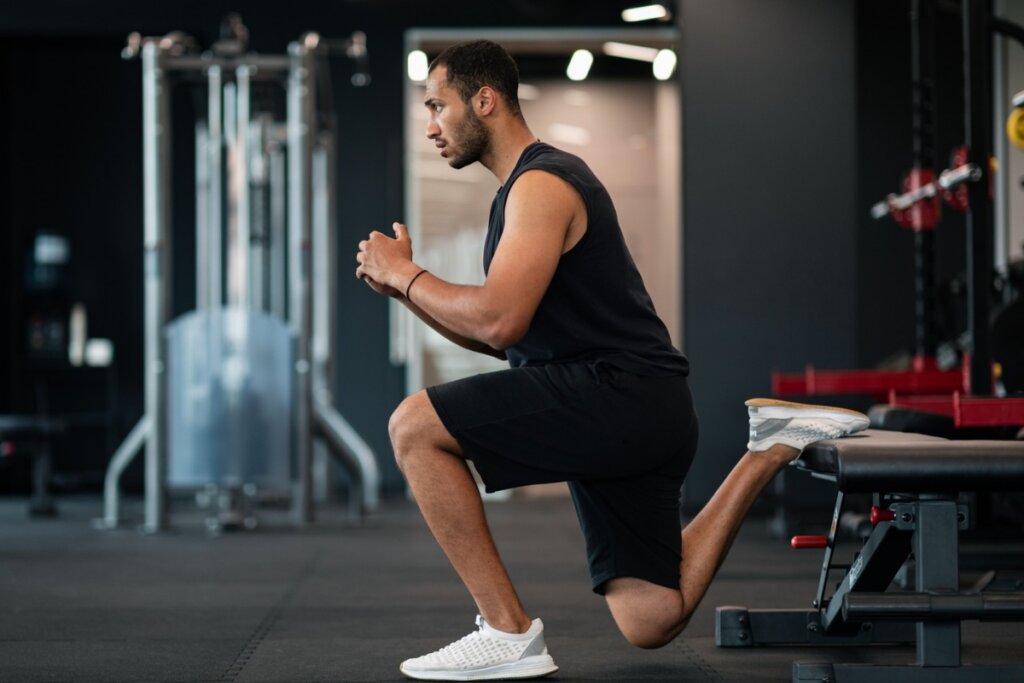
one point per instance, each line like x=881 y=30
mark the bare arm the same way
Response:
x=539 y=213
x=464 y=342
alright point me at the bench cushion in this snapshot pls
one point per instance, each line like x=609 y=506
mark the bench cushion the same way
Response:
x=878 y=461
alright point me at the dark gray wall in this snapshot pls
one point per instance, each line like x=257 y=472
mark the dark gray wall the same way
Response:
x=768 y=203
x=886 y=252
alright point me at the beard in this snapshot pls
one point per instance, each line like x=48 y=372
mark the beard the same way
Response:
x=473 y=139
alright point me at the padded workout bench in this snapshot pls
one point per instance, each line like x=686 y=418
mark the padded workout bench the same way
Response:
x=915 y=480
x=35 y=432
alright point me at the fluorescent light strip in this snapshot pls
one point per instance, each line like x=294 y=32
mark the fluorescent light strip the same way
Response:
x=418 y=66
x=664 y=65
x=627 y=51
x=579 y=65
x=645 y=13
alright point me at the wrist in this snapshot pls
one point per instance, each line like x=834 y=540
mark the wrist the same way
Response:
x=412 y=281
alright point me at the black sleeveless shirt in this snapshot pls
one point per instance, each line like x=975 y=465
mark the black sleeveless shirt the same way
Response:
x=596 y=308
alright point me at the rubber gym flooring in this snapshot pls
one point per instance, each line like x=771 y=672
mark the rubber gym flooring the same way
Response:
x=339 y=602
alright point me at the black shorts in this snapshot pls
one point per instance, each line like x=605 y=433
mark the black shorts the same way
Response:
x=624 y=442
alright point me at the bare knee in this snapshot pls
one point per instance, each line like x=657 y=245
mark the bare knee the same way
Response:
x=403 y=428
x=650 y=636
x=648 y=616
x=415 y=428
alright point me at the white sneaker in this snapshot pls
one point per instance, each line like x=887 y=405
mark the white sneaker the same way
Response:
x=486 y=655
x=798 y=424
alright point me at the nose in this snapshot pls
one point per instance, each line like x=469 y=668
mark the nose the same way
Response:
x=433 y=130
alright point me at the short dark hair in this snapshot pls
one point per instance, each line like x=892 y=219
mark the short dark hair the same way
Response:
x=475 y=64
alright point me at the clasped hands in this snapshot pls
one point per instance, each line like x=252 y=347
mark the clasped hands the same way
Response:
x=385 y=263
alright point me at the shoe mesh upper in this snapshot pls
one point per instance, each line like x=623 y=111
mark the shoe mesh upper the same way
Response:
x=796 y=432
x=478 y=649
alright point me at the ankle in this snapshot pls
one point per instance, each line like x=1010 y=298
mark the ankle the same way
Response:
x=778 y=455
x=510 y=624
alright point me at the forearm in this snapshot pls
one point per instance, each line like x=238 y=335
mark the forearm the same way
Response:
x=461 y=340
x=468 y=312
x=483 y=318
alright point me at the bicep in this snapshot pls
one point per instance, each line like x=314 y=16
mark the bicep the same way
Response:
x=538 y=213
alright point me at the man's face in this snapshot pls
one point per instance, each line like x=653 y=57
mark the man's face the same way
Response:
x=454 y=127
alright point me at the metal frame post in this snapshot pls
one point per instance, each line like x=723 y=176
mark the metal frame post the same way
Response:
x=301 y=123
x=344 y=442
x=922 y=39
x=278 y=228
x=242 y=247
x=202 y=215
x=937 y=570
x=156 y=190
x=215 y=206
x=977 y=38
x=260 y=245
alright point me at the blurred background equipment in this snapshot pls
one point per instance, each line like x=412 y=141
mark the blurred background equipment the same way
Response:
x=237 y=390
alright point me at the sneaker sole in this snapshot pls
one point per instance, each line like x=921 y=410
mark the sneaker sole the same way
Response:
x=530 y=667
x=770 y=407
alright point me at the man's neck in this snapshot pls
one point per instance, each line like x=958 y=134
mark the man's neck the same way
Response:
x=506 y=148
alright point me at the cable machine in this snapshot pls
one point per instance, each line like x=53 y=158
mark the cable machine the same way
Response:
x=237 y=391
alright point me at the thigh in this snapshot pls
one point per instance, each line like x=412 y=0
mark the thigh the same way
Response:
x=512 y=423
x=631 y=526
x=566 y=422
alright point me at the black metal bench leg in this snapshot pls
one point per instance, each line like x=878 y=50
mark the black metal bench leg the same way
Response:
x=41 y=504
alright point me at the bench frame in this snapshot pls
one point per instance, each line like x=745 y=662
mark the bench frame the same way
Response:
x=925 y=525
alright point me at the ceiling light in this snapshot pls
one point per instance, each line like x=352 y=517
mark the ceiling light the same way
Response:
x=645 y=13
x=579 y=65
x=627 y=51
x=418 y=66
x=664 y=64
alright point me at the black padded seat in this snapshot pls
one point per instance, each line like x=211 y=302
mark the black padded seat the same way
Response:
x=874 y=461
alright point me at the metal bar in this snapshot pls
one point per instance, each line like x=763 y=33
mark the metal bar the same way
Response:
x=320 y=282
x=259 y=251
x=742 y=627
x=948 y=179
x=968 y=411
x=123 y=456
x=933 y=607
x=233 y=283
x=301 y=124
x=922 y=34
x=1001 y=147
x=826 y=563
x=215 y=159
x=883 y=554
x=936 y=568
x=977 y=41
x=41 y=503
x=878 y=382
x=264 y=67
x=240 y=180
x=976 y=411
x=346 y=444
x=156 y=184
x=202 y=215
x=278 y=228
x=351 y=451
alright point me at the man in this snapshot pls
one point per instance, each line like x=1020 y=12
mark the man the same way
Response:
x=596 y=395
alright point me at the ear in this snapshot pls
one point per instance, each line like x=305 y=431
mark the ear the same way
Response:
x=485 y=101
